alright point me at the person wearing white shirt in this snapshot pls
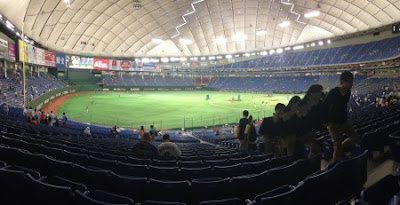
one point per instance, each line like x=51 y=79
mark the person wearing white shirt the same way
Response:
x=168 y=149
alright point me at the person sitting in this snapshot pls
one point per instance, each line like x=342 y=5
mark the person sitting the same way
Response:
x=142 y=131
x=144 y=149
x=87 y=132
x=168 y=149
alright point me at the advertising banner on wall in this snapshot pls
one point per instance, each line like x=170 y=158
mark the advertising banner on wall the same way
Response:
x=32 y=54
x=23 y=51
x=113 y=64
x=50 y=58
x=80 y=62
x=11 y=52
x=203 y=64
x=60 y=60
x=3 y=49
x=100 y=64
x=194 y=64
x=125 y=65
x=40 y=56
x=185 y=64
x=148 y=66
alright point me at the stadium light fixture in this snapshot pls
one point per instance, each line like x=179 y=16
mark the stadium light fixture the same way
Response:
x=164 y=60
x=261 y=32
x=32 y=42
x=284 y=24
x=155 y=60
x=1 y=17
x=67 y=3
x=211 y=58
x=312 y=14
x=288 y=48
x=10 y=25
x=312 y=44
x=19 y=35
x=263 y=53
x=228 y=56
x=307 y=45
x=185 y=41
x=253 y=54
x=237 y=56
x=246 y=54
x=239 y=37
x=156 y=40
x=320 y=43
x=271 y=52
x=145 y=60
x=220 y=41
x=182 y=59
x=219 y=57
x=279 y=50
x=193 y=59
x=203 y=58
x=298 y=47
x=328 y=41
x=174 y=59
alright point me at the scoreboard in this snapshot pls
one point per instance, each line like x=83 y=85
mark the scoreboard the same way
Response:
x=396 y=28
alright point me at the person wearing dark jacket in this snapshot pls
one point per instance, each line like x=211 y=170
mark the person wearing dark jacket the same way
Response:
x=335 y=105
x=242 y=126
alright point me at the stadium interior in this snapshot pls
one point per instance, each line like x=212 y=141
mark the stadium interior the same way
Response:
x=186 y=70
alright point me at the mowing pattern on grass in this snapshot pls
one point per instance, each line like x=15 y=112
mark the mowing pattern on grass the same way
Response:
x=168 y=110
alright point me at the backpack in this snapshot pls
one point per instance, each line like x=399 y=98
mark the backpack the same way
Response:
x=253 y=134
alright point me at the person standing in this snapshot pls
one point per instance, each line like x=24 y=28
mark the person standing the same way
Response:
x=251 y=136
x=64 y=118
x=242 y=126
x=335 y=104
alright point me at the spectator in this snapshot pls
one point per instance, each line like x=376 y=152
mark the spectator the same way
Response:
x=87 y=132
x=6 y=109
x=64 y=118
x=51 y=118
x=152 y=132
x=144 y=149
x=272 y=142
x=168 y=149
x=335 y=104
x=242 y=126
x=251 y=135
x=142 y=131
x=114 y=132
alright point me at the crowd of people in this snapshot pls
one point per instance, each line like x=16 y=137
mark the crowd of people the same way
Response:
x=300 y=120
x=35 y=116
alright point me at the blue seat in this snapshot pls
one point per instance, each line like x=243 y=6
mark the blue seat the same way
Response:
x=99 y=197
x=150 y=202
x=190 y=164
x=169 y=190
x=13 y=184
x=131 y=169
x=217 y=188
x=59 y=181
x=228 y=171
x=44 y=193
x=25 y=170
x=196 y=173
x=168 y=173
x=231 y=201
x=132 y=187
x=286 y=198
x=381 y=191
x=274 y=192
x=163 y=163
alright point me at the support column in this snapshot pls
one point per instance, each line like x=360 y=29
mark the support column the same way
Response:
x=5 y=69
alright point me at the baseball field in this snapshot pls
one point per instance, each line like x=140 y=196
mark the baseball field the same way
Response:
x=168 y=109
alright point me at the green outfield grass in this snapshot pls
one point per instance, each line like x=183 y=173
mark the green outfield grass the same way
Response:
x=167 y=109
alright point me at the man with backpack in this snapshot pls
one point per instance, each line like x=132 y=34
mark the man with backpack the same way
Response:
x=251 y=135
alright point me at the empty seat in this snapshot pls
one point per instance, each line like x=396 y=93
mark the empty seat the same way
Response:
x=167 y=173
x=59 y=181
x=217 y=188
x=231 y=201
x=44 y=193
x=169 y=191
x=25 y=170
x=274 y=192
x=150 y=202
x=381 y=191
x=98 y=197
x=131 y=169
